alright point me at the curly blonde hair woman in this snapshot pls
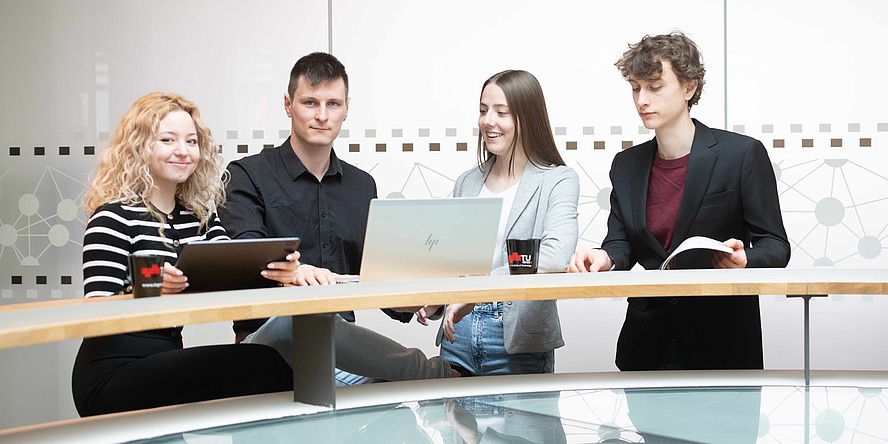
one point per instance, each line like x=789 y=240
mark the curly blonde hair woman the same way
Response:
x=123 y=174
x=155 y=190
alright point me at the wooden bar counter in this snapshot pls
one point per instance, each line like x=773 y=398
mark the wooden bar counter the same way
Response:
x=41 y=322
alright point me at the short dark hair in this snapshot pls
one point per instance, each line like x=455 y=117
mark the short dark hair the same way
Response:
x=317 y=67
x=642 y=60
x=527 y=105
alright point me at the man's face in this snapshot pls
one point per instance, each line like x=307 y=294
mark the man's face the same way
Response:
x=662 y=101
x=316 y=113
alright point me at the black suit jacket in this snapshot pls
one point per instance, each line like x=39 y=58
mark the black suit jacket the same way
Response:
x=730 y=192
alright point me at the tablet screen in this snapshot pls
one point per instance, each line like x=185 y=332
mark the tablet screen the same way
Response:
x=232 y=264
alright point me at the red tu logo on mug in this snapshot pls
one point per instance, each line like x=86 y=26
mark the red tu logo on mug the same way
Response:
x=522 y=255
x=520 y=259
x=153 y=270
x=146 y=272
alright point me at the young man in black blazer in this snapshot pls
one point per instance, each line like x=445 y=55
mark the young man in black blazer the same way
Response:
x=689 y=180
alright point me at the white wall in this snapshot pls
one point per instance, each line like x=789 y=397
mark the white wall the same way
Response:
x=788 y=71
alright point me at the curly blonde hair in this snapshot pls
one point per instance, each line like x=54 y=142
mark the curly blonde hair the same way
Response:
x=122 y=174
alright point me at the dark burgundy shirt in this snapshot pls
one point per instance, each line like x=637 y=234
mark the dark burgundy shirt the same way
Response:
x=664 y=197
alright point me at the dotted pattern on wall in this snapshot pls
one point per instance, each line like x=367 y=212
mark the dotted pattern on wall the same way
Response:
x=832 y=198
x=44 y=221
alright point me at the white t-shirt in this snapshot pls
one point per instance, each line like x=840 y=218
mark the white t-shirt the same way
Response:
x=499 y=252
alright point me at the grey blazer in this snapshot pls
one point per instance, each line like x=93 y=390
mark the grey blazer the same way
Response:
x=545 y=207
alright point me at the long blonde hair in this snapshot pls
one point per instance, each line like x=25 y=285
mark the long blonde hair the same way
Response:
x=122 y=174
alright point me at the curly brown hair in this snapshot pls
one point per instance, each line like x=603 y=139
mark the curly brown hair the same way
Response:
x=122 y=174
x=642 y=60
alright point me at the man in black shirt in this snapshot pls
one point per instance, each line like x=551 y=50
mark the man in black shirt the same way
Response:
x=302 y=189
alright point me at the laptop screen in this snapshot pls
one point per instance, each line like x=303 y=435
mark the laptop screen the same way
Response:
x=430 y=238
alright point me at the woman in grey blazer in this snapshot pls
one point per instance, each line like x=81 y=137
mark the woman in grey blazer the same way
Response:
x=518 y=161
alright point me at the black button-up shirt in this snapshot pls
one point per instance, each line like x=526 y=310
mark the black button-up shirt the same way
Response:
x=272 y=194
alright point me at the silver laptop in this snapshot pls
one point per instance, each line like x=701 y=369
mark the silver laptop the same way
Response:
x=430 y=238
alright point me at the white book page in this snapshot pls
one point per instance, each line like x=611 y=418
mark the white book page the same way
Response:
x=696 y=242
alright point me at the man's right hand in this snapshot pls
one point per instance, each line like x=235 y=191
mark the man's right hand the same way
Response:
x=589 y=260
x=311 y=275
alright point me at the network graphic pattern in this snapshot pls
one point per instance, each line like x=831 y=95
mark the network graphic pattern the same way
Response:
x=593 y=206
x=420 y=181
x=833 y=208
x=48 y=218
x=836 y=208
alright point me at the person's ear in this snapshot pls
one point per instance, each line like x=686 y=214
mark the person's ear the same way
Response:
x=347 y=100
x=287 y=104
x=691 y=88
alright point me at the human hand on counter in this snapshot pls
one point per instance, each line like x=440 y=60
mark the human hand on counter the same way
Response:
x=589 y=260
x=311 y=275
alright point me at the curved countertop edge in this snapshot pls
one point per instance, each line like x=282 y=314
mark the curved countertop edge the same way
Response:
x=191 y=417
x=21 y=324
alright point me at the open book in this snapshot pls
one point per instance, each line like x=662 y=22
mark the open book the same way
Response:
x=695 y=242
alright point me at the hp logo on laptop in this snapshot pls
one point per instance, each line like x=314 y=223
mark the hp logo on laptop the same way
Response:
x=431 y=242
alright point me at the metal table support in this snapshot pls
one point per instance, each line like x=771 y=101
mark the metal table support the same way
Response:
x=314 y=359
x=807 y=330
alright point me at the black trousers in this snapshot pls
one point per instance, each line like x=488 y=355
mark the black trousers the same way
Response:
x=151 y=369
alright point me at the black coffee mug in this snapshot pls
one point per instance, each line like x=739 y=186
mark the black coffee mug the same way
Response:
x=146 y=274
x=523 y=255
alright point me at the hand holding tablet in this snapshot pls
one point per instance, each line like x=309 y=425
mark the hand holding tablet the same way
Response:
x=233 y=264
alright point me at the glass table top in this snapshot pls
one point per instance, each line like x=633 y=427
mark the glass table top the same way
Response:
x=756 y=414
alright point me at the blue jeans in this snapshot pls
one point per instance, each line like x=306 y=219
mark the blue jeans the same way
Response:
x=480 y=349
x=362 y=355
x=344 y=378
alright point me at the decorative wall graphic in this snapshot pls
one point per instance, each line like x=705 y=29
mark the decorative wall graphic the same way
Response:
x=834 y=210
x=424 y=181
x=45 y=218
x=594 y=206
x=833 y=207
